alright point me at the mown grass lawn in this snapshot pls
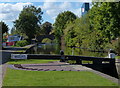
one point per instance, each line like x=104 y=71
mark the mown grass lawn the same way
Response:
x=54 y=78
x=29 y=61
x=117 y=57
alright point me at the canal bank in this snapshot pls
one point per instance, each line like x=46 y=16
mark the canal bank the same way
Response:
x=117 y=63
x=44 y=48
x=47 y=50
x=6 y=53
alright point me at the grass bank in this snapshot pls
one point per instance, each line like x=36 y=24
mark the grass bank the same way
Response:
x=29 y=61
x=54 y=78
x=117 y=57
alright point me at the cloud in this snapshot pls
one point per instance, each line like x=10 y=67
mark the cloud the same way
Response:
x=50 y=0
x=49 y=5
x=65 y=5
x=53 y=0
x=52 y=9
x=11 y=11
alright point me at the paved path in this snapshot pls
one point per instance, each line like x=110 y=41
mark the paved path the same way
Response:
x=2 y=73
x=0 y=76
x=118 y=68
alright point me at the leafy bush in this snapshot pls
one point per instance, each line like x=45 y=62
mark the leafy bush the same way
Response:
x=21 y=43
x=46 y=40
x=117 y=46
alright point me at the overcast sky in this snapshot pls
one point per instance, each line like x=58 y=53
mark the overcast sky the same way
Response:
x=9 y=11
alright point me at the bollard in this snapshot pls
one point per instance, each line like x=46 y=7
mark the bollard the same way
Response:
x=62 y=59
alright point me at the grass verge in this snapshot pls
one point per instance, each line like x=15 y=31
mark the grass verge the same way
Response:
x=51 y=78
x=117 y=57
x=54 y=78
x=29 y=61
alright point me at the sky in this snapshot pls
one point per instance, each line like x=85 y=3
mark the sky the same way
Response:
x=9 y=10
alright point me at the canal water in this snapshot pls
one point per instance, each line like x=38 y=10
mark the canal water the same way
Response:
x=54 y=49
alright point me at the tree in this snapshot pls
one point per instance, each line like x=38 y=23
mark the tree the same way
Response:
x=77 y=32
x=70 y=35
x=46 y=28
x=4 y=27
x=104 y=17
x=60 y=23
x=29 y=20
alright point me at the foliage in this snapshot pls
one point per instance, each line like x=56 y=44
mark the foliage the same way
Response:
x=95 y=29
x=3 y=27
x=14 y=31
x=29 y=20
x=46 y=28
x=46 y=40
x=21 y=43
x=117 y=46
x=4 y=39
x=104 y=21
x=70 y=35
x=104 y=17
x=60 y=23
x=76 y=33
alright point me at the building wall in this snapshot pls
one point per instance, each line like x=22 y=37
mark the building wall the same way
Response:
x=13 y=38
x=84 y=8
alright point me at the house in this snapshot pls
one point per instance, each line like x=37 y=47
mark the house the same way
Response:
x=14 y=38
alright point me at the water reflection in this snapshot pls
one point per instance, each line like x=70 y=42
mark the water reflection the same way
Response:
x=83 y=52
x=55 y=49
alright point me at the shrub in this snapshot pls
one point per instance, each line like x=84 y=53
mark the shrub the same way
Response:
x=46 y=40
x=21 y=43
x=117 y=46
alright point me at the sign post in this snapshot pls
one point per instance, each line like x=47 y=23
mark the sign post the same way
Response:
x=18 y=56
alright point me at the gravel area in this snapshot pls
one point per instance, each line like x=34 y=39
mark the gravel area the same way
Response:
x=54 y=66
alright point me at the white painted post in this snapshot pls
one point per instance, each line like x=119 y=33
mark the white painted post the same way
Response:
x=72 y=51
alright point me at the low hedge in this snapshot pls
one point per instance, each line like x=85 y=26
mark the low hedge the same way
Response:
x=21 y=43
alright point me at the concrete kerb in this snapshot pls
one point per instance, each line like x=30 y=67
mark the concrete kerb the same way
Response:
x=0 y=76
x=0 y=56
x=118 y=68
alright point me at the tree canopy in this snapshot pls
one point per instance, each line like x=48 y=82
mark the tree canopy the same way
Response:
x=29 y=20
x=3 y=27
x=61 y=21
x=95 y=29
x=104 y=17
x=46 y=28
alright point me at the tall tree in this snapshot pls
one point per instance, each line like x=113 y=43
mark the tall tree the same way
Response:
x=29 y=20
x=60 y=23
x=105 y=17
x=3 y=27
x=46 y=28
